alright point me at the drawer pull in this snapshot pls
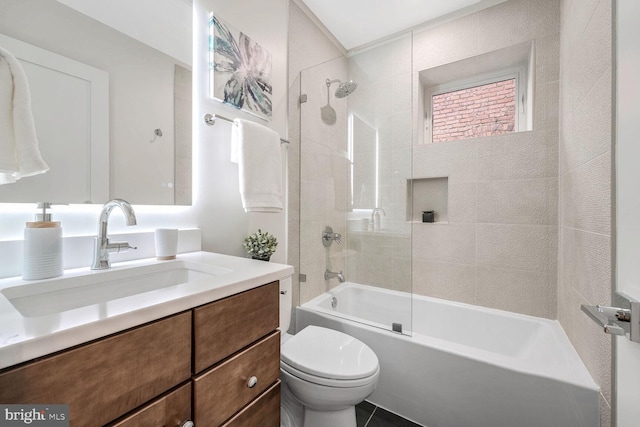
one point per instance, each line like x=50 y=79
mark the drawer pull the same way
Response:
x=188 y=423
x=252 y=382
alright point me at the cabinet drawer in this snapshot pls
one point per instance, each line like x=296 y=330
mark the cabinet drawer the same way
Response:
x=222 y=391
x=105 y=379
x=171 y=410
x=263 y=412
x=226 y=326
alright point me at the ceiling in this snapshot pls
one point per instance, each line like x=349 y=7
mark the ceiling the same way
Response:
x=355 y=23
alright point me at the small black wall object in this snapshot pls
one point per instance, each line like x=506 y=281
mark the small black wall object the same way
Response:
x=428 y=216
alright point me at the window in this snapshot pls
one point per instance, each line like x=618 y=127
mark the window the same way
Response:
x=483 y=95
x=484 y=110
x=493 y=104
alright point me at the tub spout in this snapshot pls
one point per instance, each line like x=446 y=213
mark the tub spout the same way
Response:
x=330 y=275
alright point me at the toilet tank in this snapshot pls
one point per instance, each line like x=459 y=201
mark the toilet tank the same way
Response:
x=285 y=304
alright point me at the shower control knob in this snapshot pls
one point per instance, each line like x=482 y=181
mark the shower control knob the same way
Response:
x=252 y=382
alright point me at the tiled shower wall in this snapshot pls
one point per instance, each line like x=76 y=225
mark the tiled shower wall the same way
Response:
x=585 y=199
x=499 y=247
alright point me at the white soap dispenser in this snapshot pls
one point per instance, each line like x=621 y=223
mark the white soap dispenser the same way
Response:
x=42 y=255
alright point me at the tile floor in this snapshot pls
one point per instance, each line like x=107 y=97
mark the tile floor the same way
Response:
x=370 y=415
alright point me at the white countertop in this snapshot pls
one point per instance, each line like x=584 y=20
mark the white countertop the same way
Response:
x=24 y=338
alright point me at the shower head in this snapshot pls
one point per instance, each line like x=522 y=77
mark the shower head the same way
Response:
x=344 y=88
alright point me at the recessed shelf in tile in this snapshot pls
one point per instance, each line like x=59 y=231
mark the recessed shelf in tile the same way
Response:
x=428 y=194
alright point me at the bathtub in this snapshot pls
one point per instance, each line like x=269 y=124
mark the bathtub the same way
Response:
x=459 y=365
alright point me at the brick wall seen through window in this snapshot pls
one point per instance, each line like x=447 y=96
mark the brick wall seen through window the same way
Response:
x=483 y=110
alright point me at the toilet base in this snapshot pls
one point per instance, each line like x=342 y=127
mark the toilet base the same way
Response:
x=343 y=417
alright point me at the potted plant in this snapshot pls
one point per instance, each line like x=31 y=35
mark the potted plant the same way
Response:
x=260 y=245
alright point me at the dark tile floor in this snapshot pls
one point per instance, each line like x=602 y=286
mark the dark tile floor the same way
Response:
x=370 y=415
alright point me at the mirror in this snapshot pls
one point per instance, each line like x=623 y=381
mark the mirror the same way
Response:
x=112 y=113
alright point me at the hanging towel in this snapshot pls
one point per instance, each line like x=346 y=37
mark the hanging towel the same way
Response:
x=256 y=150
x=19 y=152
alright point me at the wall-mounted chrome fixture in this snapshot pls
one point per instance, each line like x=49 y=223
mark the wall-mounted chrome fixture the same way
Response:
x=210 y=120
x=331 y=275
x=328 y=236
x=344 y=88
x=622 y=319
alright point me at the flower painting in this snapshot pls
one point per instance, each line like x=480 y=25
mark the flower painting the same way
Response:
x=240 y=69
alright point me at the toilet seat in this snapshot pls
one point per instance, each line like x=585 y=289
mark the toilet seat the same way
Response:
x=328 y=357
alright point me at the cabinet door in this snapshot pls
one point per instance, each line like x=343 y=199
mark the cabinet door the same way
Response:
x=226 y=326
x=222 y=391
x=263 y=412
x=171 y=410
x=104 y=380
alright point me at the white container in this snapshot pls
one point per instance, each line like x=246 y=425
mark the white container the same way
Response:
x=42 y=257
x=166 y=243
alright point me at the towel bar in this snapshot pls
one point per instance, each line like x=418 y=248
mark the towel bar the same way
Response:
x=210 y=120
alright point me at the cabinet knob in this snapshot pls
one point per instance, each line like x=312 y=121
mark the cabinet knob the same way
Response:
x=187 y=423
x=252 y=382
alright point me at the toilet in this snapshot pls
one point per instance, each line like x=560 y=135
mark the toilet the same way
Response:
x=324 y=373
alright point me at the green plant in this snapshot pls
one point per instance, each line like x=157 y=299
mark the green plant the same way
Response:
x=260 y=245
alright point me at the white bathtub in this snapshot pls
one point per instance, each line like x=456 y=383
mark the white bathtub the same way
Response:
x=462 y=365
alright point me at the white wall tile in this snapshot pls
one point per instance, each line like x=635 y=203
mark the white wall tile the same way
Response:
x=456 y=160
x=445 y=243
x=445 y=43
x=520 y=291
x=455 y=282
x=518 y=155
x=523 y=247
x=520 y=201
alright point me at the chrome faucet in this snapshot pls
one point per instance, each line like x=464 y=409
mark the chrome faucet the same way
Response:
x=330 y=275
x=101 y=245
x=373 y=212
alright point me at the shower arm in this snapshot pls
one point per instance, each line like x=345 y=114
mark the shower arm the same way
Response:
x=330 y=82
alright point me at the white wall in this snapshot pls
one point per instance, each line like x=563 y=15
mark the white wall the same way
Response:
x=628 y=203
x=217 y=207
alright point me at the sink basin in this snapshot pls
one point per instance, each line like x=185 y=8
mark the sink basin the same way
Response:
x=95 y=287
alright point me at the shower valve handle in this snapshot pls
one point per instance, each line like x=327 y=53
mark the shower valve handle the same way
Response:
x=328 y=236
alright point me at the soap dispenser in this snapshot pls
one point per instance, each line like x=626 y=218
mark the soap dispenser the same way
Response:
x=42 y=257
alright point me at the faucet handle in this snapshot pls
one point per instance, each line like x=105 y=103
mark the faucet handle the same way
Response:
x=338 y=238
x=119 y=247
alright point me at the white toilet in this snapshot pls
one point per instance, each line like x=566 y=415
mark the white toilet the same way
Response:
x=324 y=373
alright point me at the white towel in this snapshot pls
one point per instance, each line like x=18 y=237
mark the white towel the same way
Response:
x=19 y=152
x=256 y=150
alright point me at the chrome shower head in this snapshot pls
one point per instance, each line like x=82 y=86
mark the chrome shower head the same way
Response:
x=344 y=88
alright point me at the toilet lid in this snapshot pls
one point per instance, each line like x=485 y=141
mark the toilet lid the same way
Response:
x=329 y=354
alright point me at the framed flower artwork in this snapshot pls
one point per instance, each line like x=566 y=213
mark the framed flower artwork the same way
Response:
x=240 y=69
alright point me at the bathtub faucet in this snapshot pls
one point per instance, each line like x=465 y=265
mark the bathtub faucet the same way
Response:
x=330 y=275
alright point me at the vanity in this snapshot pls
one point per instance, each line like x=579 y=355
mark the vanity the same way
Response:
x=201 y=345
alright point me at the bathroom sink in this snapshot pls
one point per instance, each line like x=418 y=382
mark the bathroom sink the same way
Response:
x=56 y=295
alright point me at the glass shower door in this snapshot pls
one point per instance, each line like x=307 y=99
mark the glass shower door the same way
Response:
x=356 y=139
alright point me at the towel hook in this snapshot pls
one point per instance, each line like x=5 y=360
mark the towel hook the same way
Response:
x=156 y=133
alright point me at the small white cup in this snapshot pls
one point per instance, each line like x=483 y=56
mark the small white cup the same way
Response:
x=166 y=243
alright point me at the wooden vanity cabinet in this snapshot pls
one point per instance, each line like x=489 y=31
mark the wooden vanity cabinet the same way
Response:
x=170 y=410
x=236 y=339
x=107 y=378
x=223 y=327
x=229 y=386
x=156 y=374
